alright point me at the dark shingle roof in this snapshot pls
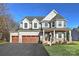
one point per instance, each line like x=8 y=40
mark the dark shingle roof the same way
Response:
x=58 y=17
x=30 y=18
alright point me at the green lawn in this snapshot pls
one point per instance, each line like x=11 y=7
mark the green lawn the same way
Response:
x=63 y=50
x=2 y=42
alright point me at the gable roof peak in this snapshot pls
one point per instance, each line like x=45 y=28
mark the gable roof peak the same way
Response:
x=54 y=11
x=51 y=15
x=35 y=19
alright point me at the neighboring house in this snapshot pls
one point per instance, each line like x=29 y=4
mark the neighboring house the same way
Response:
x=75 y=34
x=47 y=29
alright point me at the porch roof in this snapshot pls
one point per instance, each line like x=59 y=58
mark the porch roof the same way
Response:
x=57 y=29
x=28 y=30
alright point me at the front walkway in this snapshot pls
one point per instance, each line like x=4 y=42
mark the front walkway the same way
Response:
x=22 y=50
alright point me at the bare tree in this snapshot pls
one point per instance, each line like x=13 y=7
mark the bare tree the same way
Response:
x=7 y=23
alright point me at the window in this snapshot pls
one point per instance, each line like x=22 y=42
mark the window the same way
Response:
x=35 y=25
x=25 y=25
x=53 y=24
x=46 y=24
x=59 y=35
x=60 y=24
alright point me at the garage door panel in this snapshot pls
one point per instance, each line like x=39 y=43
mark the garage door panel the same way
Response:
x=30 y=39
x=15 y=39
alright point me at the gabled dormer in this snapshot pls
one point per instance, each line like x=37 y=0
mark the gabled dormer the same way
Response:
x=35 y=24
x=50 y=16
x=25 y=24
x=31 y=22
x=46 y=21
x=60 y=21
x=53 y=20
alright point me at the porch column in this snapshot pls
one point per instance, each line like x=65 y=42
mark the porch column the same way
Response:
x=54 y=35
x=10 y=38
x=50 y=38
x=43 y=35
x=20 y=38
x=70 y=36
x=65 y=37
x=51 y=24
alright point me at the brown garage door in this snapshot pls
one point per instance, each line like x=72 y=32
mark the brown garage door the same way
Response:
x=15 y=39
x=30 y=39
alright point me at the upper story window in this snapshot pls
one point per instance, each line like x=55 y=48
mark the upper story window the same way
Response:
x=53 y=24
x=60 y=23
x=46 y=24
x=35 y=25
x=25 y=24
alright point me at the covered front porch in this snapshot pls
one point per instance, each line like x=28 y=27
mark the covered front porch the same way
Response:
x=53 y=36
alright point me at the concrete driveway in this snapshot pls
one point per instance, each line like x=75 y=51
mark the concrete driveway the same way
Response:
x=22 y=50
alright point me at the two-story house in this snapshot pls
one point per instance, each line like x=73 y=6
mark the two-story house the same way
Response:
x=48 y=29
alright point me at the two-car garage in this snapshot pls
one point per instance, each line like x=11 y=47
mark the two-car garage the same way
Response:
x=30 y=39
x=24 y=37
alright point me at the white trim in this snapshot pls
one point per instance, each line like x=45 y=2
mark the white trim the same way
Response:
x=51 y=15
x=28 y=23
x=65 y=36
x=29 y=33
x=20 y=38
x=35 y=21
x=59 y=33
x=43 y=25
x=43 y=35
x=70 y=36
x=10 y=38
x=54 y=35
x=13 y=34
x=50 y=38
x=62 y=24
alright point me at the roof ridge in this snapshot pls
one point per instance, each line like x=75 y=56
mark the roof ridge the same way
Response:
x=34 y=16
